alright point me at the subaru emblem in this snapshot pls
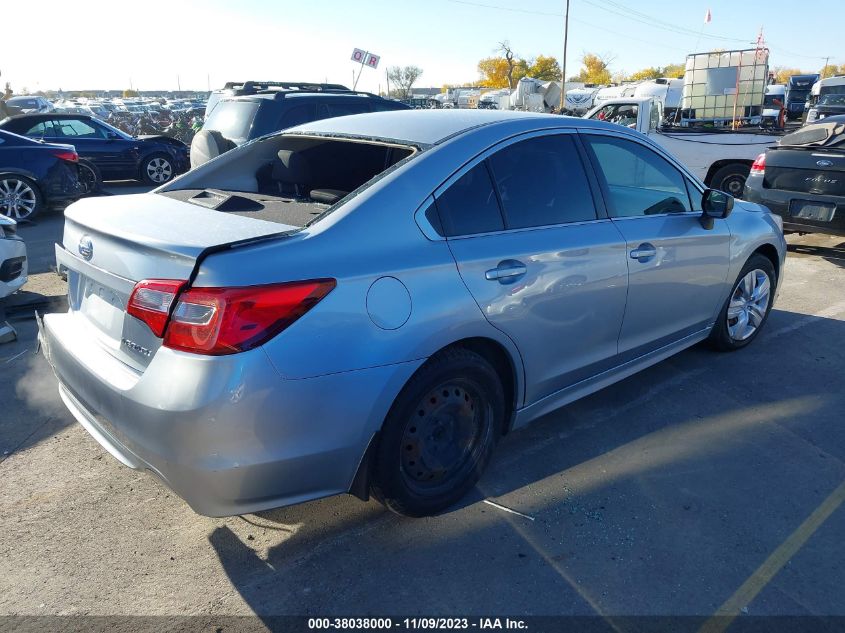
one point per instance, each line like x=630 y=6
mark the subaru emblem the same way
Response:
x=824 y=163
x=86 y=248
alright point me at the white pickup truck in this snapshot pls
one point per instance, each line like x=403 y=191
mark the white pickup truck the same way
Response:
x=721 y=158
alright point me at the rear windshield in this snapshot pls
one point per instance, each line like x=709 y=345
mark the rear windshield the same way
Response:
x=233 y=119
x=289 y=179
x=23 y=103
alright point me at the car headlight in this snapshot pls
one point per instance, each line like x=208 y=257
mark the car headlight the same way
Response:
x=811 y=115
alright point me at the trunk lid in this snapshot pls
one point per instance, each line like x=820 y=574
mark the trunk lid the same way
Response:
x=809 y=170
x=111 y=243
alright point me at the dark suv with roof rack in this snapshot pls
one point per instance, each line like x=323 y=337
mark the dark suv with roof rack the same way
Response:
x=259 y=108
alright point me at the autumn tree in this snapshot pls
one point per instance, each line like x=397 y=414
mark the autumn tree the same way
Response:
x=544 y=68
x=130 y=93
x=831 y=70
x=494 y=71
x=595 y=69
x=674 y=71
x=653 y=72
x=403 y=78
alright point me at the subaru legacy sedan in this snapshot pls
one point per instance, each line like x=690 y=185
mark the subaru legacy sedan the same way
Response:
x=366 y=304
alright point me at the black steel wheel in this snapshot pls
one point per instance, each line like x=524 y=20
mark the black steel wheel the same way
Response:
x=439 y=434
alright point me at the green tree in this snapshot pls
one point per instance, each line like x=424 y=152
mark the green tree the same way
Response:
x=404 y=78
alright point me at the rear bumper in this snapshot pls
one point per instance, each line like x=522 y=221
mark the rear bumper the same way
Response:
x=227 y=434
x=778 y=202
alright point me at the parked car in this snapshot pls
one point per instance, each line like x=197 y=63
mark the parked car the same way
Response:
x=826 y=105
x=802 y=179
x=114 y=154
x=368 y=303
x=234 y=121
x=13 y=266
x=29 y=104
x=241 y=88
x=35 y=176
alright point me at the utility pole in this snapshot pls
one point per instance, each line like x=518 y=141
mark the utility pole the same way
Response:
x=826 y=60
x=563 y=67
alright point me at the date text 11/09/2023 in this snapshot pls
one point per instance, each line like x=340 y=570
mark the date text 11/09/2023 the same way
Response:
x=421 y=623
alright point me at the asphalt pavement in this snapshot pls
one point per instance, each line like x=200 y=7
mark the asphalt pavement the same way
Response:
x=709 y=483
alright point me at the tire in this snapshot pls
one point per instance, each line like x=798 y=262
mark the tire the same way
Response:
x=439 y=434
x=728 y=333
x=157 y=169
x=731 y=179
x=20 y=197
x=90 y=178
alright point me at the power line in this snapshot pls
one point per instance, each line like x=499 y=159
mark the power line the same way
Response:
x=600 y=27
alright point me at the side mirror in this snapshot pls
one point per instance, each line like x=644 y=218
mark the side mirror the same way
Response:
x=112 y=136
x=716 y=205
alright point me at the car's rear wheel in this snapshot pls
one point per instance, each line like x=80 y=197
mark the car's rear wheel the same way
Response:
x=439 y=434
x=747 y=307
x=731 y=179
x=157 y=169
x=20 y=198
x=89 y=178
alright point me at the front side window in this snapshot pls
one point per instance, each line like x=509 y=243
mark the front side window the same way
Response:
x=541 y=182
x=638 y=181
x=470 y=205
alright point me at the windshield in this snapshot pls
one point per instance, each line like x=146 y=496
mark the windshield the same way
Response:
x=233 y=119
x=832 y=99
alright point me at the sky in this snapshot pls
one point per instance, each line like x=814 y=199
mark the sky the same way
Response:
x=99 y=44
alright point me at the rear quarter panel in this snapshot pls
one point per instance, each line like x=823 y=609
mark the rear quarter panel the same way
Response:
x=372 y=235
x=753 y=226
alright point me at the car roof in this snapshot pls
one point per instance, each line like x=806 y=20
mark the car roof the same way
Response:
x=430 y=127
x=50 y=115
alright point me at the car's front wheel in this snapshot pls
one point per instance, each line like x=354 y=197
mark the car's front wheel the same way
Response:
x=20 y=198
x=747 y=307
x=439 y=434
x=157 y=169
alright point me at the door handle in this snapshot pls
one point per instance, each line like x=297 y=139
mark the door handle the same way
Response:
x=644 y=252
x=506 y=270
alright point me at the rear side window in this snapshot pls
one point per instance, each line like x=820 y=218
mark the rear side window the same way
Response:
x=233 y=119
x=542 y=181
x=343 y=108
x=470 y=205
x=638 y=180
x=297 y=115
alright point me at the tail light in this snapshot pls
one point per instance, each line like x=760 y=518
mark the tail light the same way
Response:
x=67 y=155
x=151 y=300
x=217 y=321
x=759 y=164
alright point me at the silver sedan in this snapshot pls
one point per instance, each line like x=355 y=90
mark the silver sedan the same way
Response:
x=366 y=304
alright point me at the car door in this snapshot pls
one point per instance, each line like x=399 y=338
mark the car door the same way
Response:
x=115 y=156
x=542 y=262
x=677 y=267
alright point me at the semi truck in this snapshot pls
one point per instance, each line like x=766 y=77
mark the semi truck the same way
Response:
x=797 y=91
